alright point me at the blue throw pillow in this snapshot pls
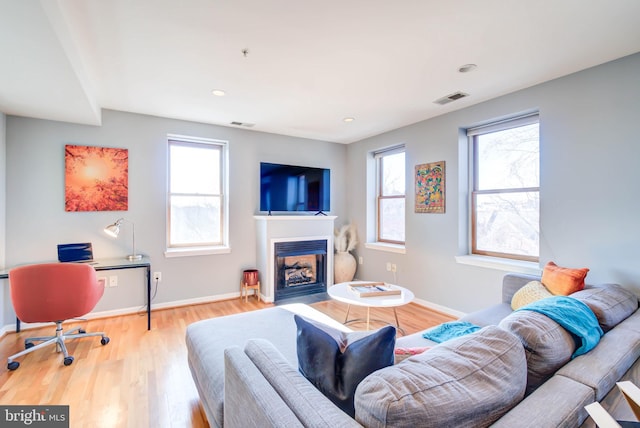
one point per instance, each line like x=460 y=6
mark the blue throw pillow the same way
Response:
x=335 y=362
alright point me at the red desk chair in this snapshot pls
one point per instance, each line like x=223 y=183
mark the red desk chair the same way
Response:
x=54 y=292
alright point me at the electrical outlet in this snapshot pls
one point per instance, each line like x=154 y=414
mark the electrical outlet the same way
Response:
x=361 y=260
x=113 y=281
x=388 y=266
x=102 y=281
x=157 y=276
x=393 y=267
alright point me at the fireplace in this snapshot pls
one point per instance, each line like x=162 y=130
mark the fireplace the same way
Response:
x=272 y=230
x=300 y=268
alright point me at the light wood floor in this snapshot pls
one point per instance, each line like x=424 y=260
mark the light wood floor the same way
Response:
x=141 y=378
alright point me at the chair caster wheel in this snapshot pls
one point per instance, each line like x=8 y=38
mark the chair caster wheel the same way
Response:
x=104 y=340
x=81 y=331
x=29 y=345
x=13 y=365
x=68 y=361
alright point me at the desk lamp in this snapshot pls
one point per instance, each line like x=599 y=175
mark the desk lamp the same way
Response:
x=114 y=229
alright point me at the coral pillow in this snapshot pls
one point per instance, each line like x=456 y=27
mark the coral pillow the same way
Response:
x=563 y=281
x=401 y=354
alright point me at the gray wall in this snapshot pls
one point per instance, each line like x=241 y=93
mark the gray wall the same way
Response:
x=589 y=191
x=589 y=194
x=36 y=221
x=3 y=205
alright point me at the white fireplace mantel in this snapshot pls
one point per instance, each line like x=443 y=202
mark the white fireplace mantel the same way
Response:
x=279 y=228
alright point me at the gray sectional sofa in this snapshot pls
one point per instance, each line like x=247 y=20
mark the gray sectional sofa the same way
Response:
x=517 y=371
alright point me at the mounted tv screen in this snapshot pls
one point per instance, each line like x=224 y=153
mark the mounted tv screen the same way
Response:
x=294 y=188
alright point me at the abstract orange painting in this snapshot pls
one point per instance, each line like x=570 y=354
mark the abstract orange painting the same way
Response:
x=96 y=178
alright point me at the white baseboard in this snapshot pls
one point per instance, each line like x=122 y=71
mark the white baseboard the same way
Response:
x=4 y=330
x=434 y=306
x=196 y=301
x=11 y=328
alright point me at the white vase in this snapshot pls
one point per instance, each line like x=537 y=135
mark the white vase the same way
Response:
x=344 y=267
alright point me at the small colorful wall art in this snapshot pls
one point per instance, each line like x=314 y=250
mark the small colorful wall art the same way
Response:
x=430 y=196
x=96 y=178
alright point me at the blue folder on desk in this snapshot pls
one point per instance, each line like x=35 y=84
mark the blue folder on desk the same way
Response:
x=82 y=252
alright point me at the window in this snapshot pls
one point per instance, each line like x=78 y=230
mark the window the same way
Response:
x=197 y=206
x=505 y=198
x=390 y=212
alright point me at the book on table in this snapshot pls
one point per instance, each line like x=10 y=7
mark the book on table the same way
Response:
x=373 y=289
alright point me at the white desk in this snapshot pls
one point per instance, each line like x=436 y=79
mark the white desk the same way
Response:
x=341 y=293
x=112 y=264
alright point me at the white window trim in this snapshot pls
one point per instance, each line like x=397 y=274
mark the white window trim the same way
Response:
x=514 y=122
x=225 y=247
x=387 y=247
x=192 y=251
x=499 y=263
x=372 y=178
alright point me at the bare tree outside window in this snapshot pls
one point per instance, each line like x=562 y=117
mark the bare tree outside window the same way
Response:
x=506 y=190
x=391 y=196
x=196 y=198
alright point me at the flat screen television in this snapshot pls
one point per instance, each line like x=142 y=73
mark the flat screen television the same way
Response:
x=294 y=188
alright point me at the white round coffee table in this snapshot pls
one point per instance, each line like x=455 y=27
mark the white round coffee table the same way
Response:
x=342 y=293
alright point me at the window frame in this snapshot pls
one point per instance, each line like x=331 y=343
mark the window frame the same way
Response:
x=194 y=248
x=379 y=156
x=472 y=136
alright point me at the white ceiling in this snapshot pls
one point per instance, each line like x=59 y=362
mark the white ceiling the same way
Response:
x=310 y=63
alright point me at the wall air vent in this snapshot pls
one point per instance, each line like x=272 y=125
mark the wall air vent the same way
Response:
x=245 y=124
x=450 y=98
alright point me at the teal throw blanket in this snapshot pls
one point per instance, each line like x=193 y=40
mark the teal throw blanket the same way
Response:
x=449 y=330
x=574 y=316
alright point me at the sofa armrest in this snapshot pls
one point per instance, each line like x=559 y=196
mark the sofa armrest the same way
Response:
x=310 y=406
x=249 y=400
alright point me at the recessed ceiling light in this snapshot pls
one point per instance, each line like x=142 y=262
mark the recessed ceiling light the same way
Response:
x=467 y=68
x=218 y=92
x=348 y=119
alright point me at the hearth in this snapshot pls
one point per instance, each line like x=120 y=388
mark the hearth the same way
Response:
x=300 y=268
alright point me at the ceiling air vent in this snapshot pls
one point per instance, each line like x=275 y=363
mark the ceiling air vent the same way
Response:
x=245 y=124
x=450 y=98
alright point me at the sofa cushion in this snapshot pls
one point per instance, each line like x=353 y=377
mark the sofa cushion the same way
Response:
x=616 y=403
x=610 y=303
x=335 y=362
x=558 y=403
x=604 y=365
x=631 y=323
x=530 y=293
x=466 y=382
x=547 y=345
x=563 y=281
